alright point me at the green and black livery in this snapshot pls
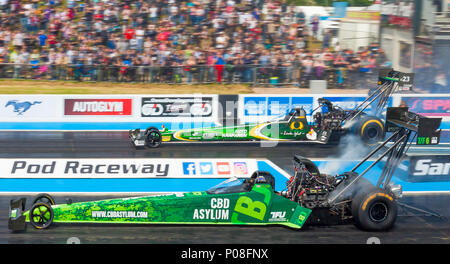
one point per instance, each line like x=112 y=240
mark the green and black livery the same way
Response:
x=326 y=126
x=251 y=201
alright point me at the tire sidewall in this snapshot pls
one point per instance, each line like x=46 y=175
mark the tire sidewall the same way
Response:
x=46 y=195
x=368 y=123
x=363 y=203
x=32 y=220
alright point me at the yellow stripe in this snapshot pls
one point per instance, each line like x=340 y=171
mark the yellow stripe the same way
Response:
x=177 y=136
x=166 y=138
x=253 y=134
x=373 y=196
x=261 y=136
x=371 y=121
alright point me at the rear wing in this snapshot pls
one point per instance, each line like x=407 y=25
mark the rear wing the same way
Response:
x=427 y=129
x=405 y=125
x=389 y=82
x=404 y=80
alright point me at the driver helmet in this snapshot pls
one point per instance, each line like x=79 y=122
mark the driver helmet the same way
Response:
x=261 y=179
x=301 y=112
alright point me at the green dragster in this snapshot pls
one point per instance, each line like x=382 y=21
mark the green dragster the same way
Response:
x=234 y=201
x=293 y=126
x=325 y=126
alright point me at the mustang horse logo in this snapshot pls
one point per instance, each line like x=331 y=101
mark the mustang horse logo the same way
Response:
x=21 y=107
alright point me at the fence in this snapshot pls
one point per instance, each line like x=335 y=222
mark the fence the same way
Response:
x=255 y=75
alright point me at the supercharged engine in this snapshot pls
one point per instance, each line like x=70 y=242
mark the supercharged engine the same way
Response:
x=313 y=190
x=308 y=187
x=333 y=118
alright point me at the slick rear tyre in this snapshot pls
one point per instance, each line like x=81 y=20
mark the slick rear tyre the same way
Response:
x=375 y=210
x=41 y=215
x=44 y=198
x=370 y=129
x=152 y=137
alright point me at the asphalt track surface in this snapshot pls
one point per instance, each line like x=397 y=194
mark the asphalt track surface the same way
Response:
x=411 y=227
x=117 y=144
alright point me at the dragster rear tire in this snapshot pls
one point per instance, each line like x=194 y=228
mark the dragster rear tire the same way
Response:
x=371 y=130
x=375 y=210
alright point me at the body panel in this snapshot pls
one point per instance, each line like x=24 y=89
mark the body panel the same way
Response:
x=296 y=129
x=260 y=206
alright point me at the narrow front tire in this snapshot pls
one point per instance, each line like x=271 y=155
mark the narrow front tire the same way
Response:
x=44 y=198
x=41 y=215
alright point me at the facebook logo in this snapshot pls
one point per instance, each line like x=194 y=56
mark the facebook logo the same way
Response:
x=206 y=168
x=189 y=168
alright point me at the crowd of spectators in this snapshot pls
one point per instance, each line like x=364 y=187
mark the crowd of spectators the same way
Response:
x=171 y=41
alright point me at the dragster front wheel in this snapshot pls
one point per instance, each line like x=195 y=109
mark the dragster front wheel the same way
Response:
x=41 y=215
x=152 y=137
x=44 y=198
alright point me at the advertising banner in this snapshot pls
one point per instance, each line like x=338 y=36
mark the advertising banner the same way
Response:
x=101 y=112
x=364 y=15
x=397 y=14
x=127 y=168
x=428 y=106
x=429 y=168
x=173 y=106
x=254 y=106
x=107 y=112
x=351 y=102
x=267 y=107
x=20 y=107
x=99 y=106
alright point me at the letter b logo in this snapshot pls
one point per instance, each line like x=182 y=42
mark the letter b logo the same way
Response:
x=247 y=206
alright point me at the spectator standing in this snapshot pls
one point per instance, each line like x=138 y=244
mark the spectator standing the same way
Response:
x=307 y=65
x=248 y=61
x=219 y=64
x=326 y=39
x=140 y=33
x=300 y=17
x=189 y=68
x=315 y=26
x=42 y=39
x=153 y=13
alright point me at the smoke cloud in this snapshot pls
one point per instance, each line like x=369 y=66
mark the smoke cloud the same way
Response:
x=351 y=148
